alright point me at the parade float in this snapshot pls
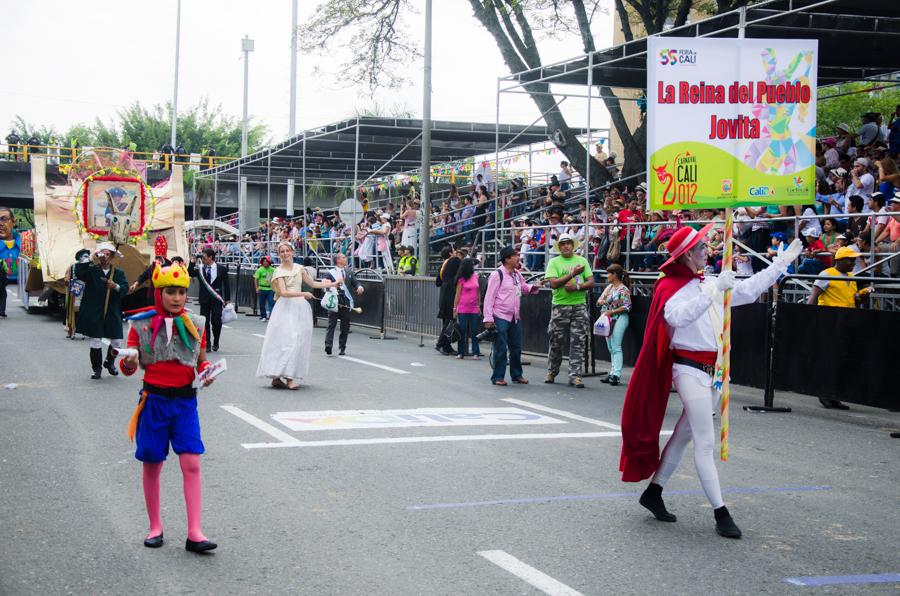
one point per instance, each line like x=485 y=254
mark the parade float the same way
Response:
x=104 y=196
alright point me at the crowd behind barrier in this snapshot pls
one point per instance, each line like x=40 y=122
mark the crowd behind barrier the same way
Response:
x=803 y=357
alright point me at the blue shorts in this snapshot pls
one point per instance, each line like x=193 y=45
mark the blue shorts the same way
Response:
x=164 y=420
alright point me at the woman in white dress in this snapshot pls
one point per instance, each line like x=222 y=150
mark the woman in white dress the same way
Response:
x=286 y=347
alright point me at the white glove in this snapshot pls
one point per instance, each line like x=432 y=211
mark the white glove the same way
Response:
x=725 y=281
x=786 y=257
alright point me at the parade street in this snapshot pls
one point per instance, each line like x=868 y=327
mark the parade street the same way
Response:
x=343 y=487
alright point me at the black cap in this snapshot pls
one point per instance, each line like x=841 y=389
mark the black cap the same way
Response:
x=506 y=252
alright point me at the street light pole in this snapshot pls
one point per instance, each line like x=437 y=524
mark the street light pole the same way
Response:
x=246 y=47
x=293 y=111
x=425 y=231
x=175 y=93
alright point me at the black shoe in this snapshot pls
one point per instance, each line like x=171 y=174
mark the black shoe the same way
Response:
x=613 y=380
x=652 y=500
x=605 y=379
x=725 y=526
x=215 y=347
x=895 y=435
x=154 y=541
x=2 y=315
x=199 y=547
x=342 y=352
x=96 y=362
x=833 y=404
x=328 y=350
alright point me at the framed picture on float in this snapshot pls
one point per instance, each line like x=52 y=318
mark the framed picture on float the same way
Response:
x=107 y=197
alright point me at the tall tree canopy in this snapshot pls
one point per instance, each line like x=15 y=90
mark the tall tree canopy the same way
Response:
x=198 y=127
x=375 y=32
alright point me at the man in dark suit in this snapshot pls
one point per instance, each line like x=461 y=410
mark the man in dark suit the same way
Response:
x=350 y=287
x=215 y=292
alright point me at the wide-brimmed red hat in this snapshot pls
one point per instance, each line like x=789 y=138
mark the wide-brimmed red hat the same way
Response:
x=683 y=240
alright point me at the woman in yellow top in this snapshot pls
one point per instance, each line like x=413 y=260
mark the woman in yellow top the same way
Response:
x=831 y=292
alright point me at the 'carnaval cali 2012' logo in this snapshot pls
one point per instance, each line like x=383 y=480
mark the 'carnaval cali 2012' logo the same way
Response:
x=679 y=187
x=673 y=57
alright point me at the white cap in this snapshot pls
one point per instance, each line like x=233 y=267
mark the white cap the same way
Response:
x=109 y=246
x=811 y=232
x=565 y=237
x=862 y=161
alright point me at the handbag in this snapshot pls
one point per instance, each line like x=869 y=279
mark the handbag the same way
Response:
x=451 y=332
x=329 y=301
x=603 y=326
x=615 y=249
x=228 y=314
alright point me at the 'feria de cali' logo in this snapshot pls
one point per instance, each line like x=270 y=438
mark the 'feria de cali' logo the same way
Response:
x=673 y=57
x=761 y=191
x=797 y=181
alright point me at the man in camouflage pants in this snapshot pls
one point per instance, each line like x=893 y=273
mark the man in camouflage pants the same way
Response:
x=570 y=277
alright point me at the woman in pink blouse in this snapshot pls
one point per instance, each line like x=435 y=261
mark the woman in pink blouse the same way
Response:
x=466 y=308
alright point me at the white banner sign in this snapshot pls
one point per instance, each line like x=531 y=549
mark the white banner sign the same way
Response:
x=730 y=122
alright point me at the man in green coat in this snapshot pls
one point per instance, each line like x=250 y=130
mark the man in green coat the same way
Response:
x=100 y=316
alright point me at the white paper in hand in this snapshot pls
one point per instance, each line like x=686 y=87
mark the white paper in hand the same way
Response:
x=210 y=372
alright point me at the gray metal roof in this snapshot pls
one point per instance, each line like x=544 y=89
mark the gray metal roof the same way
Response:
x=385 y=146
x=857 y=41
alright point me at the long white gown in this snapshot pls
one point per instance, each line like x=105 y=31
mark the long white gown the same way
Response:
x=286 y=348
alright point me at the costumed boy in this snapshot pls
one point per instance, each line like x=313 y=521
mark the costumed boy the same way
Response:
x=171 y=351
x=683 y=344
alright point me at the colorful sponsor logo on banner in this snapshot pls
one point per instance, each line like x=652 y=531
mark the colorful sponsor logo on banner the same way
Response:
x=740 y=130
x=360 y=419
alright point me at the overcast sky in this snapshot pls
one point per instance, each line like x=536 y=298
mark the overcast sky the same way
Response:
x=67 y=62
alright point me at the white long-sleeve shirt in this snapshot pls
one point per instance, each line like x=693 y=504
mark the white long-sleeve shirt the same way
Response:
x=690 y=324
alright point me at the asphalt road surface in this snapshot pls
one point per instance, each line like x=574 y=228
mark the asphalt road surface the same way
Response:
x=348 y=487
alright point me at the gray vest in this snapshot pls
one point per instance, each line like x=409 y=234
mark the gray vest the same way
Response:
x=162 y=351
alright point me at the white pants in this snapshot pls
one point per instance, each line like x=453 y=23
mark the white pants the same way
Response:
x=696 y=422
x=97 y=343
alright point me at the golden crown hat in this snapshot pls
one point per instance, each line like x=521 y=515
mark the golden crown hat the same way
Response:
x=171 y=276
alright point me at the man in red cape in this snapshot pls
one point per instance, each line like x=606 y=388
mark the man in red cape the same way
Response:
x=682 y=345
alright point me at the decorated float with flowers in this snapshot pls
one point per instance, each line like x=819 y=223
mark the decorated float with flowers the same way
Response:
x=104 y=196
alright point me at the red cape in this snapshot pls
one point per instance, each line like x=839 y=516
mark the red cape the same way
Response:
x=648 y=390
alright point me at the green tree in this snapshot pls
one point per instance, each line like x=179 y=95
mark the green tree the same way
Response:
x=844 y=104
x=198 y=127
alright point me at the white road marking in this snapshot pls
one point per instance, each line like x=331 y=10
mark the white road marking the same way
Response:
x=227 y=326
x=528 y=574
x=282 y=436
x=563 y=413
x=438 y=439
x=413 y=417
x=259 y=335
x=381 y=366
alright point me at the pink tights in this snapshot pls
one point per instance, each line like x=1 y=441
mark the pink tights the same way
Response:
x=193 y=495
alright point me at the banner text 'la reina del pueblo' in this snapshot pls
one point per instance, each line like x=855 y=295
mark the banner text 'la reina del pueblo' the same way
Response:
x=730 y=122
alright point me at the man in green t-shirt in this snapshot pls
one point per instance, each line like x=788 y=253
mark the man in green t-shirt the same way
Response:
x=262 y=281
x=570 y=277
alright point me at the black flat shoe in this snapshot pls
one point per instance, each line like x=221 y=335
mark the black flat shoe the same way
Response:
x=653 y=501
x=111 y=368
x=97 y=374
x=328 y=350
x=342 y=352
x=154 y=541
x=725 y=525
x=199 y=547
x=613 y=381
